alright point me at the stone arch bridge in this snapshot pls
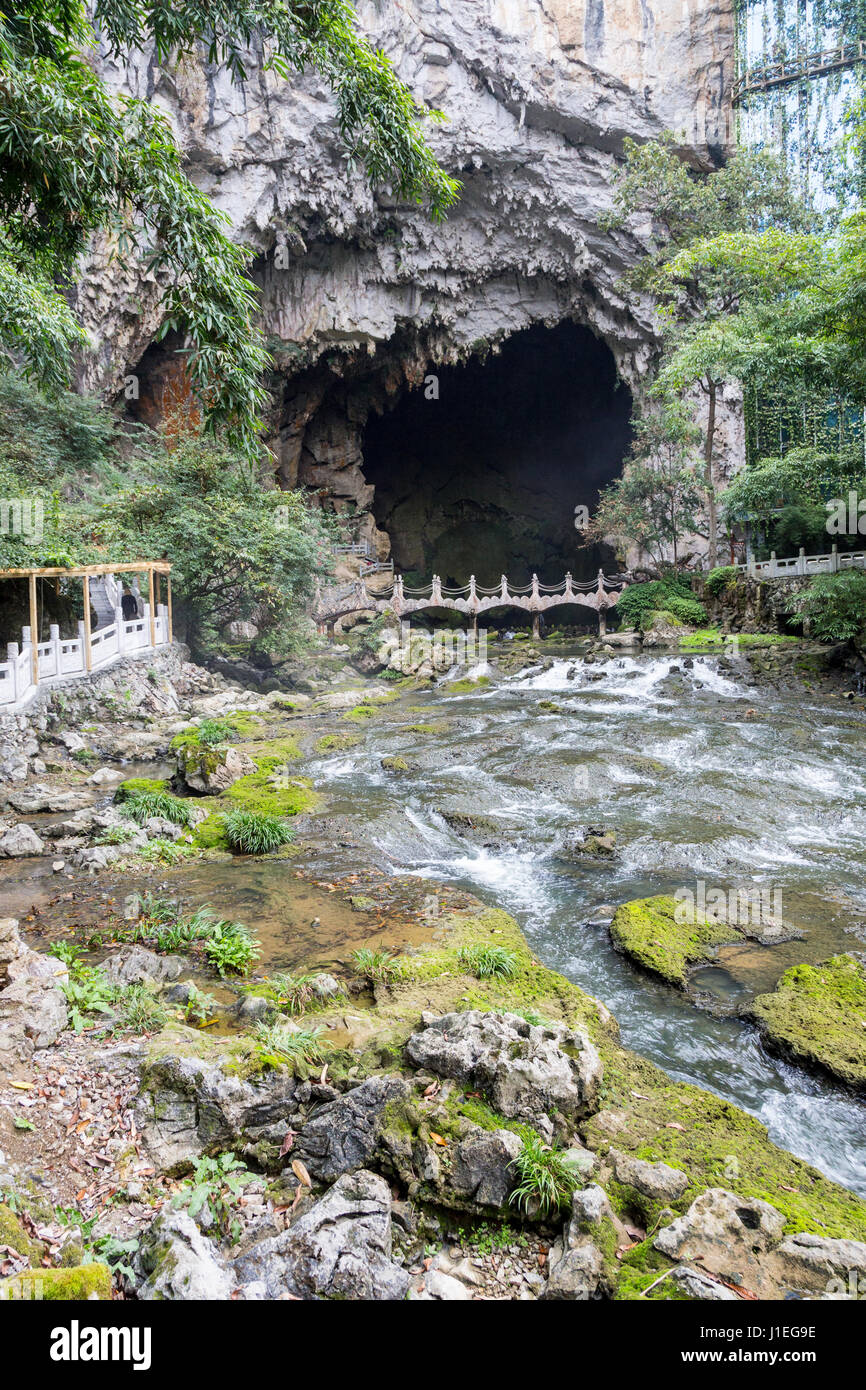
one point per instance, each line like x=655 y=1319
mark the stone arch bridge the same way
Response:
x=472 y=599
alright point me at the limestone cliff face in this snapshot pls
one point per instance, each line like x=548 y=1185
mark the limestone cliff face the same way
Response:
x=361 y=295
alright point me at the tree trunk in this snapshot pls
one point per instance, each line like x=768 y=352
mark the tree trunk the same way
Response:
x=709 y=477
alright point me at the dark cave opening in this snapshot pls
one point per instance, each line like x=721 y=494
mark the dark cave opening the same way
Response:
x=485 y=479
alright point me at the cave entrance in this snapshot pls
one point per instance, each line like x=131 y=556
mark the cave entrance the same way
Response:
x=485 y=479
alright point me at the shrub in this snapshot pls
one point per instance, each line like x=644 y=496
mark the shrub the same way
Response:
x=486 y=961
x=547 y=1183
x=231 y=948
x=140 y=806
x=640 y=599
x=212 y=732
x=165 y=852
x=687 y=610
x=835 y=605
x=722 y=577
x=255 y=832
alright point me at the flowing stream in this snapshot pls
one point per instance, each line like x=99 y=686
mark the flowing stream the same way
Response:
x=703 y=780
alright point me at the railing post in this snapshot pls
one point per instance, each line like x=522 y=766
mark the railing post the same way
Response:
x=773 y=566
x=834 y=558
x=88 y=656
x=602 y=622
x=801 y=561
x=12 y=658
x=151 y=607
x=121 y=631
x=568 y=589
x=503 y=588
x=54 y=636
x=82 y=637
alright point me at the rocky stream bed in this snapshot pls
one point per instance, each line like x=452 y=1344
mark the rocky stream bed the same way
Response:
x=473 y=1054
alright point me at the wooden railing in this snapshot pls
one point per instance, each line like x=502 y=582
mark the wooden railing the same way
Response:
x=802 y=65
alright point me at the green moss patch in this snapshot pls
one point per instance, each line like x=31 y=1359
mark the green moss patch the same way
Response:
x=337 y=743
x=270 y=792
x=817 y=1015
x=646 y=930
x=133 y=785
x=466 y=686
x=12 y=1233
x=72 y=1285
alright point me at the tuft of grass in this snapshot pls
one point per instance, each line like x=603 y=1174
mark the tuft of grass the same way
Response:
x=141 y=805
x=547 y=1183
x=487 y=961
x=292 y=993
x=278 y=1045
x=372 y=964
x=255 y=832
x=165 y=852
x=140 y=1010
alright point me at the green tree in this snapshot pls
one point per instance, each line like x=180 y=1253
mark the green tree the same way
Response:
x=655 y=502
x=240 y=552
x=75 y=159
x=707 y=234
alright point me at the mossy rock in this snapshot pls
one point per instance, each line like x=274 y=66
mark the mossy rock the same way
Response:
x=817 y=1015
x=392 y=764
x=361 y=714
x=54 y=1285
x=133 y=785
x=647 y=931
x=467 y=686
x=12 y=1232
x=337 y=743
x=210 y=833
x=266 y=791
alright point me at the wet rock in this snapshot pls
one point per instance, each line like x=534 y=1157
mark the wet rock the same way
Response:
x=344 y=1135
x=326 y=986
x=135 y=965
x=105 y=777
x=526 y=1070
x=815 y=1016
x=657 y=1181
x=38 y=798
x=591 y=842
x=175 y=1260
x=482 y=1167
x=339 y=1248
x=158 y=828
x=19 y=842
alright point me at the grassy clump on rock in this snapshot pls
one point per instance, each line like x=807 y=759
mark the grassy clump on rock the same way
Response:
x=647 y=931
x=817 y=1015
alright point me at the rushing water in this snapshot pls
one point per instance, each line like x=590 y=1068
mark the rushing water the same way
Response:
x=703 y=779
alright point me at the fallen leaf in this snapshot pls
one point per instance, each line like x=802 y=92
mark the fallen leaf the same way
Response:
x=301 y=1173
x=673 y=1125
x=437 y=1139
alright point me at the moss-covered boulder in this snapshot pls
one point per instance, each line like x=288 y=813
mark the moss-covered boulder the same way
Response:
x=14 y=1234
x=817 y=1015
x=648 y=931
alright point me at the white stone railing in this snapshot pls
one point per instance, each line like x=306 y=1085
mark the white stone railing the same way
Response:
x=62 y=658
x=796 y=566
